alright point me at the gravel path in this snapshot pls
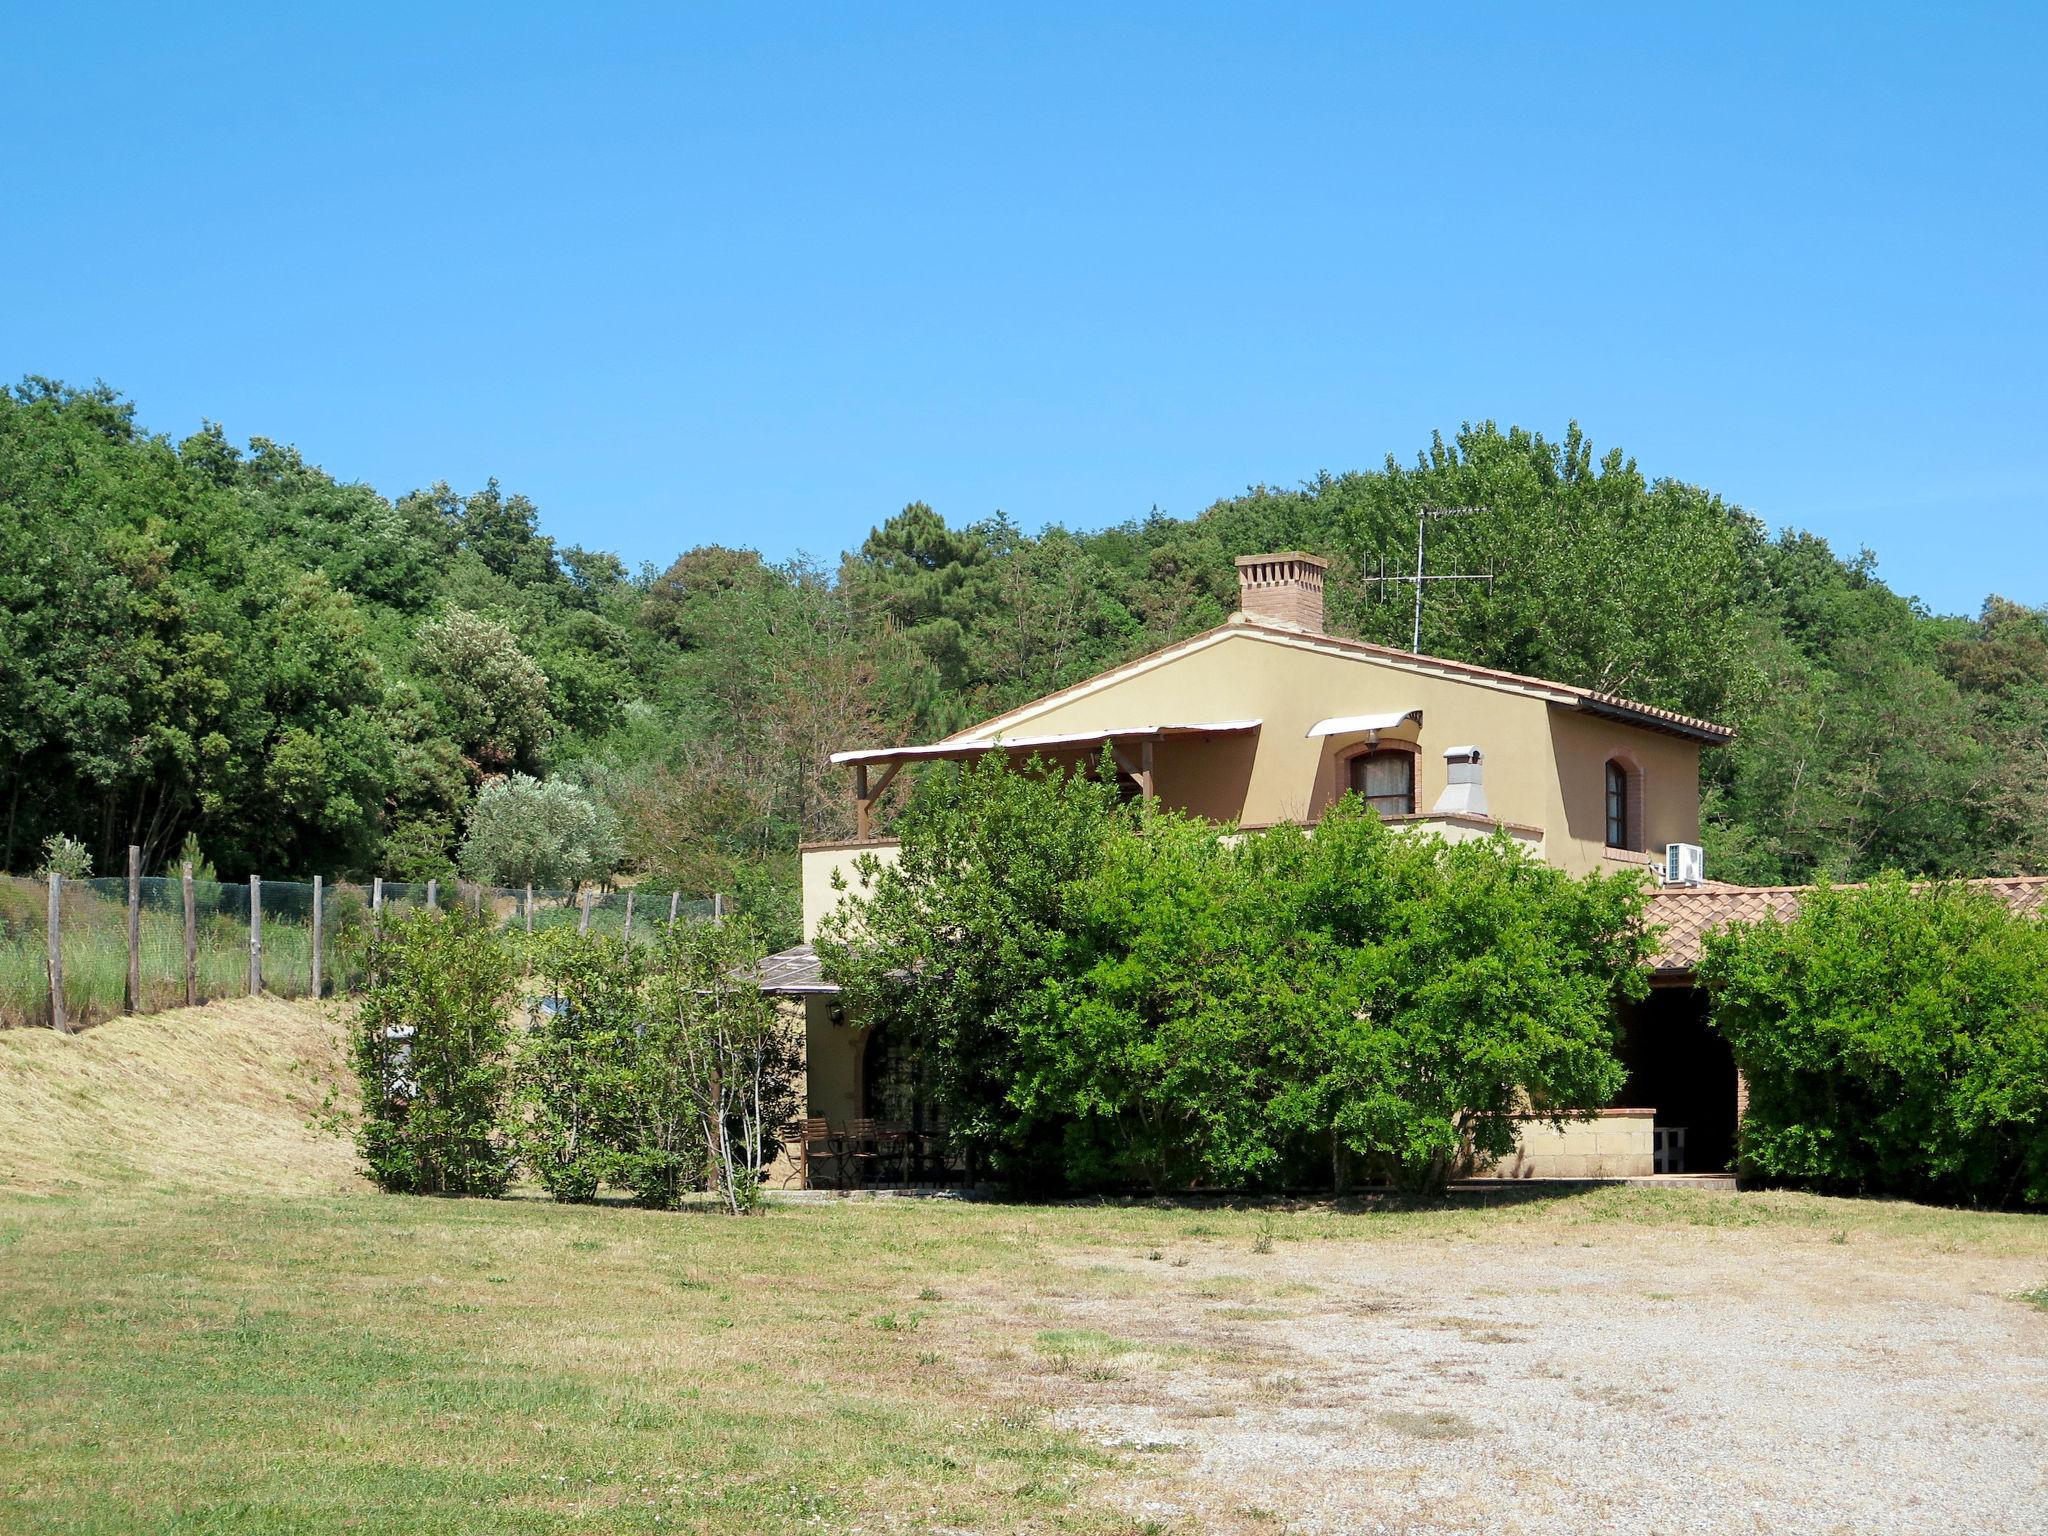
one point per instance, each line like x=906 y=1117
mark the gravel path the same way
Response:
x=1650 y=1381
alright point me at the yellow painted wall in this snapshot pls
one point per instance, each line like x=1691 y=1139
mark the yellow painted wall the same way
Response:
x=1243 y=676
x=831 y=1062
x=821 y=863
x=1544 y=764
x=1581 y=745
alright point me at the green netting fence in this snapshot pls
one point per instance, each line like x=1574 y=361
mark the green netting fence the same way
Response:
x=245 y=936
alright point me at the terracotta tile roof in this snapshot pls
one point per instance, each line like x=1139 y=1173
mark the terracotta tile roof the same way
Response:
x=1689 y=913
x=1565 y=694
x=1598 y=703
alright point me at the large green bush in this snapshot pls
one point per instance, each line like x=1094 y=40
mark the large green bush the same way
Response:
x=1894 y=1039
x=430 y=1053
x=955 y=943
x=1109 y=995
x=1387 y=998
x=663 y=1072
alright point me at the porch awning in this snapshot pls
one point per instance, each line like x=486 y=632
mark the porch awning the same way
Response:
x=1343 y=725
x=959 y=750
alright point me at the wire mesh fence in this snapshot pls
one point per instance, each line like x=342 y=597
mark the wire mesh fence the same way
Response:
x=151 y=943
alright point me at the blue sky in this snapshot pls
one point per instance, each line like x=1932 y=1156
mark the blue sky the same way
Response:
x=688 y=274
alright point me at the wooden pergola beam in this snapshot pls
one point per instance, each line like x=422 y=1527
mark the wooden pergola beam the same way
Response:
x=865 y=795
x=1140 y=767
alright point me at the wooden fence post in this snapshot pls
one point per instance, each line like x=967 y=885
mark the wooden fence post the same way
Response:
x=583 y=923
x=316 y=937
x=57 y=1020
x=718 y=906
x=255 y=934
x=673 y=898
x=529 y=909
x=134 y=929
x=191 y=941
x=434 y=895
x=629 y=919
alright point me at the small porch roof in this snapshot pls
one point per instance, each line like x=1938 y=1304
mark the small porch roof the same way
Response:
x=795 y=972
x=975 y=747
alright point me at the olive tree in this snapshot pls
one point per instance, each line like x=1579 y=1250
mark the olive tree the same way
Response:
x=547 y=832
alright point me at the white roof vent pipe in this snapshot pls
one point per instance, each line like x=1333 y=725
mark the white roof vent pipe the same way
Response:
x=1464 y=784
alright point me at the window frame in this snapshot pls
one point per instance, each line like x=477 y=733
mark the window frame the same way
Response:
x=1621 y=768
x=1349 y=760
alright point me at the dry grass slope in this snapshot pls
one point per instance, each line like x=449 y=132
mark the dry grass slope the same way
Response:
x=220 y=1098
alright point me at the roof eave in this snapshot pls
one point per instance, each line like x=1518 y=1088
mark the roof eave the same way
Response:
x=1703 y=731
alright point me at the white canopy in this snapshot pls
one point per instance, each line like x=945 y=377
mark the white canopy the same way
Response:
x=1343 y=725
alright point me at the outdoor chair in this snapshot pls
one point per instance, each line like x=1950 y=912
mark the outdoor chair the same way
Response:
x=863 y=1149
x=894 y=1150
x=819 y=1144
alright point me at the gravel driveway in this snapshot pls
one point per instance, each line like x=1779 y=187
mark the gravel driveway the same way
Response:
x=1651 y=1380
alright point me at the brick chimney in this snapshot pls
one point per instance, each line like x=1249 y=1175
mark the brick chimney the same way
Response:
x=1286 y=588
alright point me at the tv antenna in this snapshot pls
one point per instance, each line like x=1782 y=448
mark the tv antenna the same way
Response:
x=1383 y=581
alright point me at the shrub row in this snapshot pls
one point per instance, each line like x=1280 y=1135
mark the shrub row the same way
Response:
x=654 y=1070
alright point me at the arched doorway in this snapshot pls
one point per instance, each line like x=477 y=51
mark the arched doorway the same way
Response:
x=894 y=1086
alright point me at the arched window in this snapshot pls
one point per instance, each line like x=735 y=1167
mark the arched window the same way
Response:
x=1621 y=809
x=1386 y=781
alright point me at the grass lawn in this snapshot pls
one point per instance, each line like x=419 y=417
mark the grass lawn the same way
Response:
x=195 y=1354
x=212 y=1363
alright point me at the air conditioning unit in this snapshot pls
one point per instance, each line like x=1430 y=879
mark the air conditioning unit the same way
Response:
x=1684 y=864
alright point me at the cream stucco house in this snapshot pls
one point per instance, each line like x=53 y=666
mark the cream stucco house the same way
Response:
x=1266 y=718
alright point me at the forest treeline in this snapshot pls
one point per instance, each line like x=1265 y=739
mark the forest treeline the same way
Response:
x=226 y=644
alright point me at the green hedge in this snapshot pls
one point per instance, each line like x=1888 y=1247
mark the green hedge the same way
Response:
x=1895 y=1041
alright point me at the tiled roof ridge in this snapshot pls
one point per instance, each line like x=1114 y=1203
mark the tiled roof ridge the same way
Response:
x=1715 y=888
x=1395 y=653
x=1241 y=623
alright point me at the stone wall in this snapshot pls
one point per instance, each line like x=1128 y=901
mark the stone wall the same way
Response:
x=1617 y=1144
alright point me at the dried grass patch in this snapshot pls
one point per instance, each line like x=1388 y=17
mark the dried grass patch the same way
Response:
x=221 y=1098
